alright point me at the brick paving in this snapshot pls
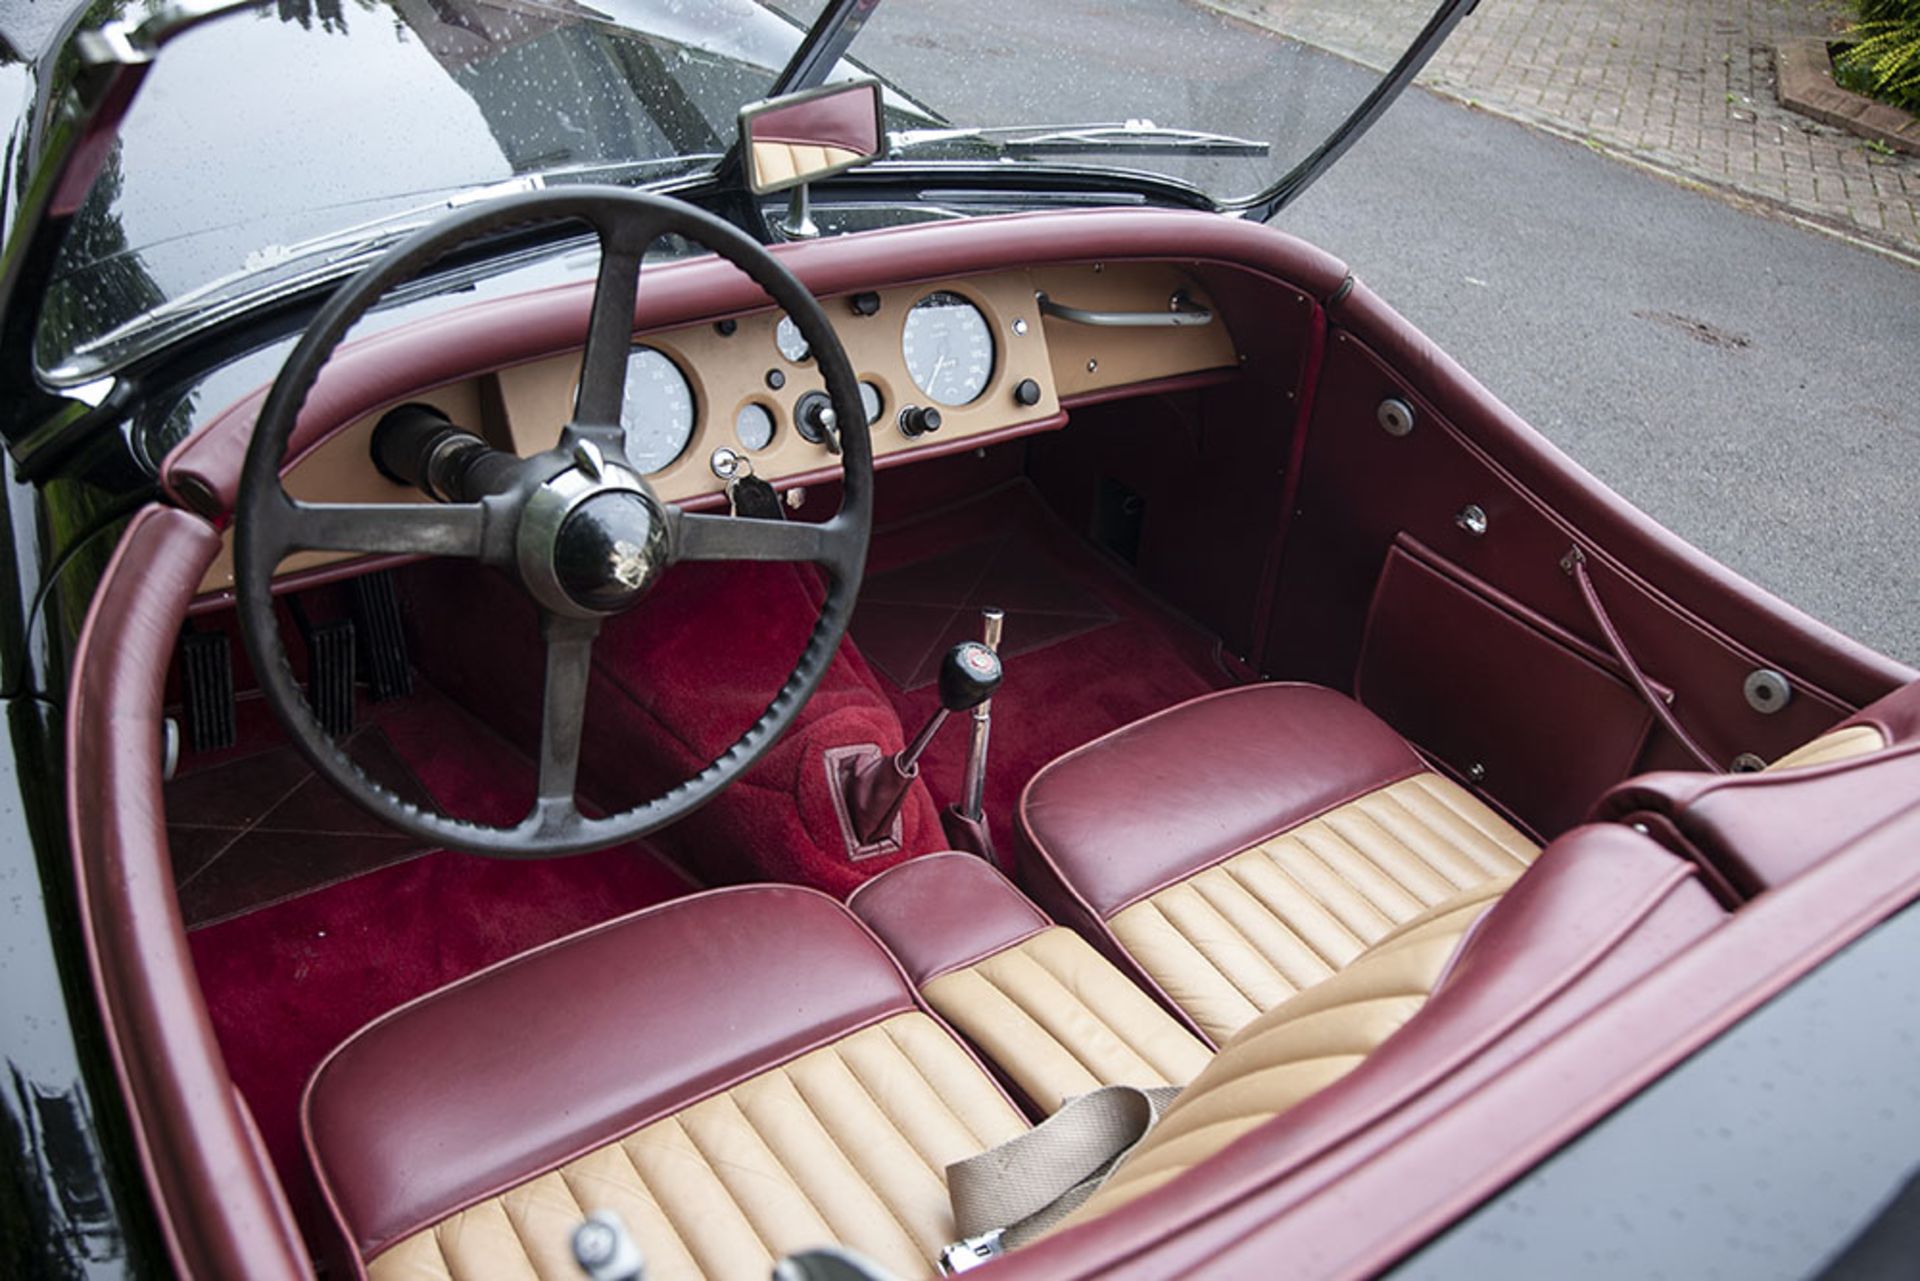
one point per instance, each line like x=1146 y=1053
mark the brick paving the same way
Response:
x=1684 y=86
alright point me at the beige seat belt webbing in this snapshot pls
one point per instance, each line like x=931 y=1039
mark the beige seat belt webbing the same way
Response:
x=1016 y=1191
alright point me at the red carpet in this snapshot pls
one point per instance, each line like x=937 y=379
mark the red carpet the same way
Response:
x=1078 y=685
x=675 y=682
x=287 y=983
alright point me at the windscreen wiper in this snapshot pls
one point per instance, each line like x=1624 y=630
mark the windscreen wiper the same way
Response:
x=1127 y=137
x=297 y=265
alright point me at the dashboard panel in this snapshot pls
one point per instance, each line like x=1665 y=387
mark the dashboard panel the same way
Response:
x=976 y=348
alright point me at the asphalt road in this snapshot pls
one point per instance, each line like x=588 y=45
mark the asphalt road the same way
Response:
x=1752 y=385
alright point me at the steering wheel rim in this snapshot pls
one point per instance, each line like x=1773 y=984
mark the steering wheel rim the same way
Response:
x=269 y=524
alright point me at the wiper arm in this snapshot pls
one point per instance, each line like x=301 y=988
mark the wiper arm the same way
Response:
x=373 y=234
x=379 y=232
x=1128 y=137
x=277 y=269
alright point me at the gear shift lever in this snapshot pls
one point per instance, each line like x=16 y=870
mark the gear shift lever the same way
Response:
x=968 y=676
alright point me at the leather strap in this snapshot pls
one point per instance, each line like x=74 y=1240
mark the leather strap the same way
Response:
x=1029 y=1183
x=1575 y=563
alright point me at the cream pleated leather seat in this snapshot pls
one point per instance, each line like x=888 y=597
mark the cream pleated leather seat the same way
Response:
x=747 y=1073
x=1241 y=848
x=738 y=1075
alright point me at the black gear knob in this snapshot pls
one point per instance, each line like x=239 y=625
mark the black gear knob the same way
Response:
x=968 y=676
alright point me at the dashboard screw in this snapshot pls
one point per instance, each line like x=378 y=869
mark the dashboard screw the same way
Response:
x=1093 y=366
x=1020 y=326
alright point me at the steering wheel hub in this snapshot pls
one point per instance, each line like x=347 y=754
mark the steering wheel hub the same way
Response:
x=609 y=550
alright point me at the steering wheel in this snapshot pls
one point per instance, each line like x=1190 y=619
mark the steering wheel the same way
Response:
x=578 y=526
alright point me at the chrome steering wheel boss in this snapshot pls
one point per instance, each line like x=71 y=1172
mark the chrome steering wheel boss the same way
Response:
x=591 y=541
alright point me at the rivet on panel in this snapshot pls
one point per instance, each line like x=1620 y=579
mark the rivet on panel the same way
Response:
x=1395 y=416
x=1476 y=773
x=1767 y=691
x=1473 y=519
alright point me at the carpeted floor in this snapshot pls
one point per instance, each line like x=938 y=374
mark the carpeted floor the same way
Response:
x=291 y=978
x=1085 y=649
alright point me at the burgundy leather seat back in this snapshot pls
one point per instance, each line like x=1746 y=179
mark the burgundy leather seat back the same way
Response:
x=477 y=1086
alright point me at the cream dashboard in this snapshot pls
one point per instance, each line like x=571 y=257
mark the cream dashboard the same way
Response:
x=944 y=365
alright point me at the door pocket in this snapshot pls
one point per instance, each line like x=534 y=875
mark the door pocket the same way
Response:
x=1526 y=712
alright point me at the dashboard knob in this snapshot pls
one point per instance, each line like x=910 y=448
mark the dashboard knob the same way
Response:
x=919 y=420
x=867 y=304
x=817 y=422
x=1026 y=392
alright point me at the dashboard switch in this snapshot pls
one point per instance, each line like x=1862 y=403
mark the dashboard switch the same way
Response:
x=1026 y=392
x=867 y=304
x=919 y=420
x=816 y=422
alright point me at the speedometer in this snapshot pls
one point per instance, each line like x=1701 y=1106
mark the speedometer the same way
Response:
x=948 y=347
x=656 y=412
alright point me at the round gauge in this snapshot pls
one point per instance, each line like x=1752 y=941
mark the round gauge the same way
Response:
x=872 y=402
x=788 y=338
x=754 y=425
x=656 y=411
x=948 y=346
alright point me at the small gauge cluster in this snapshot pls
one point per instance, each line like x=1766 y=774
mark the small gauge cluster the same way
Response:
x=943 y=356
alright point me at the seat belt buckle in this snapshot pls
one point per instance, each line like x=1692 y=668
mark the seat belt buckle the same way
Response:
x=971 y=1252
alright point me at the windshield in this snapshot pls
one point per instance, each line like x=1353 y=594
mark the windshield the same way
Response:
x=271 y=147
x=1282 y=74
x=266 y=130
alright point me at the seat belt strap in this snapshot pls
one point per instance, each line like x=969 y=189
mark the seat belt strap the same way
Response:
x=1018 y=1190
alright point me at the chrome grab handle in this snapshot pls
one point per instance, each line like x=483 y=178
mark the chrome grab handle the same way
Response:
x=1181 y=310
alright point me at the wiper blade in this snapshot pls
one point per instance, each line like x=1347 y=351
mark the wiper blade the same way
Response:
x=380 y=232
x=1127 y=137
x=277 y=269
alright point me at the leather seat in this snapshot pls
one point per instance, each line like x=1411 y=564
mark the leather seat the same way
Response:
x=745 y=1073
x=1242 y=847
x=739 y=1075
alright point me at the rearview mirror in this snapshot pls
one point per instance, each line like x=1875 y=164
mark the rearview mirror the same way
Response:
x=797 y=138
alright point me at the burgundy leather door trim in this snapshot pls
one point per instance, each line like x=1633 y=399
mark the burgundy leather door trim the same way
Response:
x=219 y=1204
x=1761 y=831
x=1480 y=681
x=1709 y=595
x=1364 y=488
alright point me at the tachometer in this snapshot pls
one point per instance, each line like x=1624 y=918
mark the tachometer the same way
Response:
x=948 y=346
x=657 y=411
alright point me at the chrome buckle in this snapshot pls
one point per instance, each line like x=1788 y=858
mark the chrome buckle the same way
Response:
x=971 y=1252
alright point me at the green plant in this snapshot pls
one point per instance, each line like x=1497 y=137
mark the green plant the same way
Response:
x=1885 y=60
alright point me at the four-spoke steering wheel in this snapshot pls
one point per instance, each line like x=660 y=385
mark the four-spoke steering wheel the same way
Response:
x=577 y=526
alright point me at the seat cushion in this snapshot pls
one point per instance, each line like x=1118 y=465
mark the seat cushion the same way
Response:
x=1244 y=846
x=739 y=1074
x=1053 y=1015
x=1451 y=997
x=848 y=1144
